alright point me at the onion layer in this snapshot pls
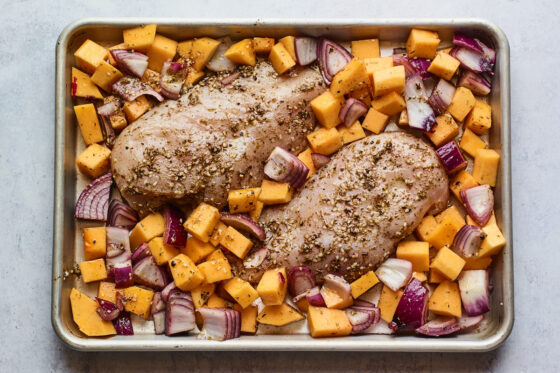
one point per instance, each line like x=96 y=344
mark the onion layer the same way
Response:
x=351 y=111
x=285 y=167
x=441 y=96
x=174 y=233
x=319 y=160
x=219 y=324
x=451 y=157
x=243 y=223
x=314 y=297
x=121 y=215
x=339 y=286
x=439 y=326
x=107 y=310
x=300 y=279
x=420 y=114
x=475 y=296
x=123 y=324
x=360 y=319
x=219 y=62
x=479 y=84
x=146 y=272
x=140 y=253
x=395 y=273
x=179 y=315
x=173 y=75
x=132 y=88
x=255 y=259
x=479 y=202
x=306 y=50
x=467 y=241
x=93 y=202
x=412 y=309
x=132 y=63
x=332 y=58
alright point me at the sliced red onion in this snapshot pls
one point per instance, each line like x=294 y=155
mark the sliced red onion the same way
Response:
x=394 y=273
x=109 y=108
x=118 y=243
x=146 y=272
x=157 y=303
x=123 y=324
x=306 y=50
x=463 y=40
x=122 y=273
x=332 y=58
x=475 y=61
x=421 y=66
x=382 y=327
x=412 y=309
x=109 y=134
x=243 y=223
x=363 y=304
x=141 y=252
x=300 y=279
x=174 y=233
x=219 y=324
x=479 y=84
x=219 y=62
x=479 y=202
x=159 y=322
x=319 y=160
x=121 y=215
x=132 y=88
x=255 y=259
x=179 y=314
x=441 y=96
x=133 y=63
x=467 y=241
x=351 y=111
x=451 y=157
x=439 y=326
x=489 y=57
x=372 y=295
x=314 y=297
x=468 y=323
x=166 y=290
x=337 y=284
x=285 y=167
x=475 y=296
x=360 y=319
x=402 y=60
x=94 y=199
x=173 y=75
x=420 y=114
x=107 y=310
x=230 y=78
x=120 y=301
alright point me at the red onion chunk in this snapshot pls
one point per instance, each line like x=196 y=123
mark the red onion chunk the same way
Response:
x=243 y=223
x=479 y=84
x=382 y=327
x=360 y=319
x=467 y=241
x=467 y=323
x=108 y=132
x=306 y=50
x=109 y=108
x=479 y=202
x=146 y=272
x=420 y=114
x=338 y=285
x=475 y=61
x=421 y=65
x=475 y=296
x=173 y=75
x=463 y=40
x=412 y=309
x=166 y=290
x=319 y=160
x=451 y=157
x=439 y=326
x=93 y=202
x=285 y=167
x=402 y=60
x=107 y=310
x=122 y=273
x=255 y=259
x=219 y=324
x=441 y=96
x=140 y=253
x=179 y=315
x=174 y=233
x=314 y=297
x=123 y=324
x=394 y=273
x=332 y=58
x=219 y=62
x=121 y=215
x=158 y=304
x=132 y=63
x=351 y=111
x=132 y=88
x=159 y=322
x=300 y=279
x=118 y=251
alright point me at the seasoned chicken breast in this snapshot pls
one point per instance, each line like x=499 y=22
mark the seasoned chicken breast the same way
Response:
x=352 y=213
x=214 y=138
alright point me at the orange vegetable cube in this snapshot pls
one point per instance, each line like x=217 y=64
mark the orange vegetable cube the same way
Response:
x=163 y=49
x=363 y=284
x=90 y=55
x=201 y=294
x=326 y=108
x=436 y=277
x=202 y=51
x=105 y=75
x=448 y=225
x=389 y=80
x=453 y=214
x=444 y=66
x=185 y=48
x=461 y=104
x=256 y=213
x=196 y=249
x=280 y=59
x=420 y=276
x=89 y=124
x=273 y=193
x=82 y=86
x=333 y=300
x=162 y=252
x=448 y=263
x=305 y=157
x=422 y=44
x=84 y=313
x=242 y=53
x=445 y=130
x=350 y=134
x=263 y=45
x=470 y=142
x=388 y=302
x=363 y=49
x=377 y=64
x=193 y=77
x=362 y=94
x=289 y=43
x=446 y=300
x=279 y=315
x=461 y=181
x=375 y=121
x=236 y=243
x=351 y=78
x=94 y=161
x=95 y=243
x=426 y=227
x=273 y=286
x=202 y=221
x=248 y=315
x=475 y=262
x=216 y=302
x=138 y=301
x=416 y=252
x=479 y=119
x=107 y=291
x=485 y=169
x=136 y=108
x=494 y=240
x=185 y=273
x=140 y=38
x=325 y=322
x=403 y=118
x=146 y=229
x=325 y=141
x=216 y=267
x=390 y=104
x=243 y=200
x=242 y=291
x=216 y=235
x=93 y=270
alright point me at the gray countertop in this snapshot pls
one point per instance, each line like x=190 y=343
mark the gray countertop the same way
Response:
x=28 y=33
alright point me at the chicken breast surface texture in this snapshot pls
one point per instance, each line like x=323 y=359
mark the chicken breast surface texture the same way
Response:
x=351 y=214
x=214 y=138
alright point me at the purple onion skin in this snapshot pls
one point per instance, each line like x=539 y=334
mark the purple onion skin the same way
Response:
x=413 y=307
x=451 y=157
x=300 y=279
x=174 y=232
x=123 y=324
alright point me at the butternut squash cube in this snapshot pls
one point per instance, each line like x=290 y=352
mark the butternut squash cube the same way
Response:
x=436 y=277
x=95 y=243
x=289 y=43
x=90 y=55
x=494 y=240
x=107 y=291
x=93 y=270
x=163 y=49
x=350 y=134
x=326 y=108
x=280 y=59
x=273 y=286
x=202 y=221
x=185 y=273
x=445 y=130
x=485 y=169
x=390 y=104
x=236 y=243
x=118 y=120
x=138 y=301
x=416 y=252
x=162 y=252
x=403 y=118
x=216 y=302
x=461 y=181
x=422 y=44
x=248 y=317
x=461 y=104
x=94 y=161
x=263 y=45
x=105 y=75
x=426 y=227
x=242 y=291
x=89 y=124
x=389 y=80
x=325 y=322
x=420 y=276
x=146 y=229
x=476 y=262
x=479 y=119
x=196 y=249
x=193 y=77
x=446 y=300
x=136 y=108
x=333 y=300
x=388 y=302
x=305 y=157
x=303 y=304
x=325 y=141
x=185 y=48
x=201 y=52
x=470 y=142
x=448 y=224
x=256 y=213
x=217 y=234
x=216 y=267
x=377 y=64
x=201 y=294
x=351 y=78
x=84 y=313
x=140 y=38
x=273 y=193
x=363 y=284
x=375 y=121
x=453 y=214
x=362 y=94
x=368 y=48
x=243 y=200
x=448 y=263
x=444 y=66
x=242 y=53
x=82 y=86
x=279 y=315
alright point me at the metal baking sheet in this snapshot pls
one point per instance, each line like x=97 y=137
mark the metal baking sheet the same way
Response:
x=67 y=243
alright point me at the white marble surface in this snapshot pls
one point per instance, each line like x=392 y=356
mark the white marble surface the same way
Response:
x=28 y=33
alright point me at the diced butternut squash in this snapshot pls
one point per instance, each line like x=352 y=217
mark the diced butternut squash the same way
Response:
x=388 y=302
x=94 y=243
x=485 y=169
x=243 y=200
x=303 y=304
x=136 y=108
x=162 y=252
x=216 y=267
x=479 y=119
x=326 y=108
x=461 y=181
x=350 y=134
x=325 y=141
x=105 y=75
x=324 y=322
x=289 y=43
x=256 y=213
x=494 y=240
x=242 y=53
x=93 y=270
x=94 y=161
x=82 y=86
x=163 y=49
x=146 y=229
x=118 y=120
x=470 y=142
x=416 y=252
x=363 y=284
x=138 y=301
x=453 y=215
x=445 y=130
x=362 y=95
x=436 y=277
x=422 y=44
x=196 y=249
x=476 y=262
x=84 y=313
x=202 y=221
x=447 y=226
x=426 y=227
x=461 y=104
x=201 y=294
x=280 y=59
x=375 y=121
x=279 y=315
x=390 y=104
x=140 y=38
x=236 y=243
x=420 y=276
x=444 y=66
x=185 y=273
x=448 y=263
x=242 y=291
x=377 y=64
x=248 y=316
x=273 y=286
x=216 y=302
x=107 y=291
x=333 y=300
x=389 y=80
x=368 y=48
x=90 y=55
x=193 y=77
x=305 y=157
x=351 y=78
x=185 y=48
x=273 y=193
x=89 y=124
x=446 y=300
x=216 y=234
x=263 y=45
x=403 y=118
x=202 y=51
